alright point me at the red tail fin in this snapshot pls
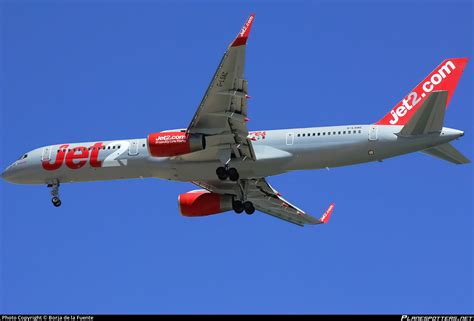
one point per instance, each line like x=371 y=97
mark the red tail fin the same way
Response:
x=444 y=77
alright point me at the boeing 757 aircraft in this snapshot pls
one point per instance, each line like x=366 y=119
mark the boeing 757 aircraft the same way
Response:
x=230 y=164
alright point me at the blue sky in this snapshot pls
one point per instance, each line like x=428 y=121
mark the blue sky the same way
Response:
x=400 y=239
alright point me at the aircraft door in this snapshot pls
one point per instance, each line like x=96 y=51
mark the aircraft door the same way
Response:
x=46 y=155
x=290 y=137
x=133 y=148
x=373 y=132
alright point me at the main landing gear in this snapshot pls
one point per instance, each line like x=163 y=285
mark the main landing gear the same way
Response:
x=55 y=194
x=225 y=172
x=239 y=207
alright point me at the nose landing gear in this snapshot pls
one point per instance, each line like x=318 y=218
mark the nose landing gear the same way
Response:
x=55 y=194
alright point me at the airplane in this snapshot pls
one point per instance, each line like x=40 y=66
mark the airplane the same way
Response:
x=230 y=164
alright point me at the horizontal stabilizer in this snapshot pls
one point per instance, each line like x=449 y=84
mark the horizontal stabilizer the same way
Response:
x=430 y=117
x=448 y=153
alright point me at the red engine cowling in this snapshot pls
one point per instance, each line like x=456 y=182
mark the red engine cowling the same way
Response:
x=203 y=203
x=166 y=144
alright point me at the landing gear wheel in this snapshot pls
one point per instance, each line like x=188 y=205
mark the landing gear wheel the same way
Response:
x=233 y=174
x=56 y=201
x=55 y=193
x=248 y=207
x=237 y=206
x=222 y=173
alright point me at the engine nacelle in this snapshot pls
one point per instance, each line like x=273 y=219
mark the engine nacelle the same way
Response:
x=173 y=143
x=203 y=203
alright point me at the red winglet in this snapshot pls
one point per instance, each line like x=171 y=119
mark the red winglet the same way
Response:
x=244 y=32
x=327 y=214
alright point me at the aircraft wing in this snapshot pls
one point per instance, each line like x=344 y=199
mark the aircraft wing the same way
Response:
x=266 y=200
x=222 y=113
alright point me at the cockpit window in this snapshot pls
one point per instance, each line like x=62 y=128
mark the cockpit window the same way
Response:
x=23 y=156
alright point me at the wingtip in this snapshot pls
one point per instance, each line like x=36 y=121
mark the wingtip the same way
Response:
x=243 y=35
x=325 y=218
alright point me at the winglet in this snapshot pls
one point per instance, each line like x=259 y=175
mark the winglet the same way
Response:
x=244 y=32
x=327 y=214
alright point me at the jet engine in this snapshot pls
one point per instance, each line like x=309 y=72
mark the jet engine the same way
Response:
x=203 y=203
x=173 y=143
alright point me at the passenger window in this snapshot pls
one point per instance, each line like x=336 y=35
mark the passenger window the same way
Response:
x=298 y=136
x=144 y=144
x=334 y=133
x=304 y=135
x=344 y=132
x=329 y=133
x=324 y=134
x=360 y=132
x=339 y=133
x=319 y=134
x=314 y=134
x=348 y=131
x=113 y=147
x=108 y=147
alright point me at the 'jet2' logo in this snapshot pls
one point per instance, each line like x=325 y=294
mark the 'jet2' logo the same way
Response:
x=75 y=157
x=413 y=98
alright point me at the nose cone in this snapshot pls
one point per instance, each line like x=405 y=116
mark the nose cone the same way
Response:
x=8 y=175
x=5 y=174
x=12 y=174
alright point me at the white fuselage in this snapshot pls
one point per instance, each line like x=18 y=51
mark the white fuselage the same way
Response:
x=277 y=151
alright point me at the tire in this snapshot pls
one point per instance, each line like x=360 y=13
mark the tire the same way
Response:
x=56 y=201
x=238 y=207
x=233 y=174
x=222 y=173
x=248 y=207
